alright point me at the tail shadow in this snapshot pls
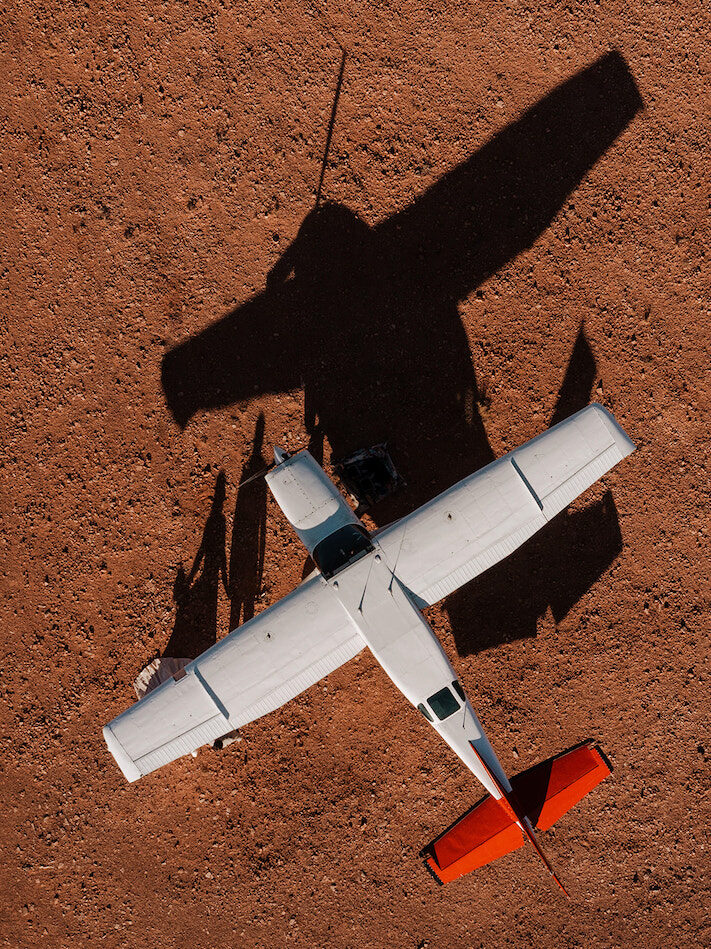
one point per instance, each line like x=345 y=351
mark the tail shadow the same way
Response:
x=575 y=392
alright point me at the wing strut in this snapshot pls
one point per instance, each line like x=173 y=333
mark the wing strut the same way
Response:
x=509 y=802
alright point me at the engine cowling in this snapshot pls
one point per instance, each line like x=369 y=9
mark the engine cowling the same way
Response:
x=312 y=503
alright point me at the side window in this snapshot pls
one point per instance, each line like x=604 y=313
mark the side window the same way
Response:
x=459 y=690
x=424 y=711
x=443 y=704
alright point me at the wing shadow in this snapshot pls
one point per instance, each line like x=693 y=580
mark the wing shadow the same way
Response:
x=366 y=320
x=556 y=566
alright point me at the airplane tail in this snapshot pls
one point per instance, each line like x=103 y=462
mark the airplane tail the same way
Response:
x=497 y=826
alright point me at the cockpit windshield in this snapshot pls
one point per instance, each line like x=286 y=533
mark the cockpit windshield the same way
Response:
x=341 y=548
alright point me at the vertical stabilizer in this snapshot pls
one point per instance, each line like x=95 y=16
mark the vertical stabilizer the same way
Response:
x=509 y=802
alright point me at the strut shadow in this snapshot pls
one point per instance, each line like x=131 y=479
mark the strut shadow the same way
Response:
x=248 y=535
x=366 y=320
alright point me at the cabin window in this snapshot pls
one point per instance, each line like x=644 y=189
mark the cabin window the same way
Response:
x=424 y=711
x=341 y=548
x=443 y=704
x=459 y=690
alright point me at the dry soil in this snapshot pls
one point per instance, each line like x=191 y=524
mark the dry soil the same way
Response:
x=515 y=221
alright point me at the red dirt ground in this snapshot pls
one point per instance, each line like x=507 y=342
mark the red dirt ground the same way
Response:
x=155 y=168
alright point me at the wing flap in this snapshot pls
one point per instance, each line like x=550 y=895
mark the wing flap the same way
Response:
x=294 y=682
x=473 y=566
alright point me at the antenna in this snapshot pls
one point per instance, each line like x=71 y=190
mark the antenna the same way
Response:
x=331 y=123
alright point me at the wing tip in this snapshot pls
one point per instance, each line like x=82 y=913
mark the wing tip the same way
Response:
x=125 y=763
x=624 y=443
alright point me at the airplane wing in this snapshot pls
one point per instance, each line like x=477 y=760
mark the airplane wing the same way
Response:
x=485 y=517
x=256 y=669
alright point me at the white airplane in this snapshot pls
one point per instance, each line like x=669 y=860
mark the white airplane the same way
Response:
x=370 y=590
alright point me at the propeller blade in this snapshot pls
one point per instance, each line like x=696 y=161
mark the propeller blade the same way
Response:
x=258 y=474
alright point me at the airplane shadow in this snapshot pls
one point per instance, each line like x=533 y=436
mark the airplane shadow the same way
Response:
x=366 y=321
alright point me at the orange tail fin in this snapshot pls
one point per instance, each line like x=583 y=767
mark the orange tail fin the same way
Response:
x=497 y=826
x=509 y=801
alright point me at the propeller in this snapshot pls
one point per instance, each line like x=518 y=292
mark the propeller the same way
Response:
x=280 y=456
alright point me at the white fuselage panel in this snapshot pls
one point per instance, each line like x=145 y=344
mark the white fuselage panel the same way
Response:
x=311 y=502
x=401 y=640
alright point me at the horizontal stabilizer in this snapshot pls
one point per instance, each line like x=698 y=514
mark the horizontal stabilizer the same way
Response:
x=549 y=789
x=483 y=834
x=489 y=830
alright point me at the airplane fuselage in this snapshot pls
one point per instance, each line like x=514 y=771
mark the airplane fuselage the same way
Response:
x=399 y=637
x=358 y=573
x=404 y=644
